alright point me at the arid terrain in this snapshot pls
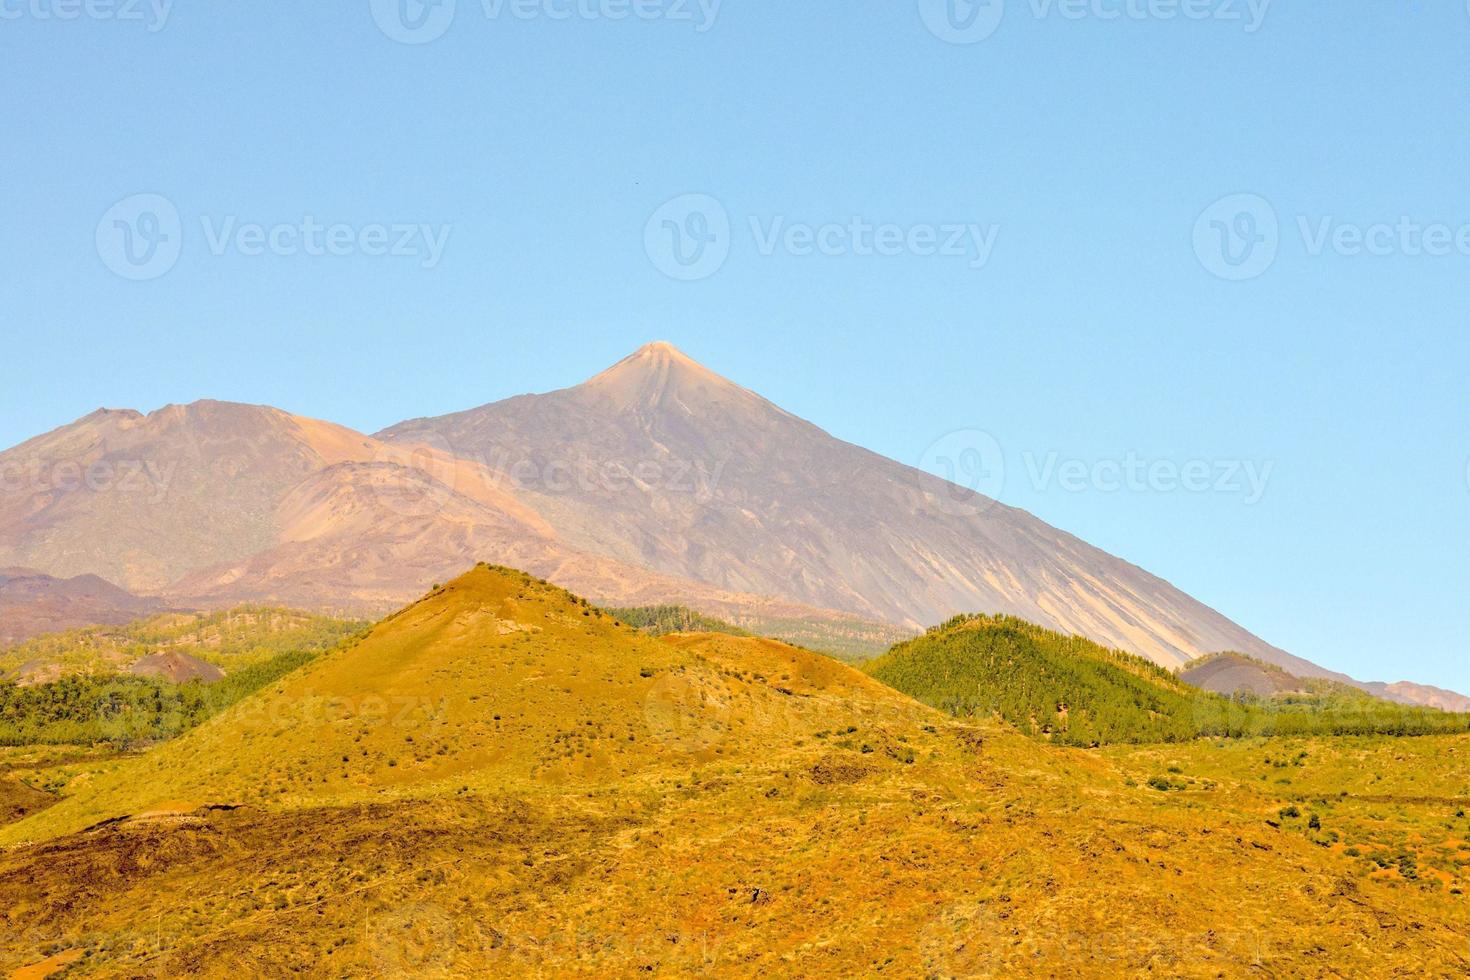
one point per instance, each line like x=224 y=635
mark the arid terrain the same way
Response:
x=501 y=779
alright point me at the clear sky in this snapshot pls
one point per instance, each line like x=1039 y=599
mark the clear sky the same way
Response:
x=1087 y=144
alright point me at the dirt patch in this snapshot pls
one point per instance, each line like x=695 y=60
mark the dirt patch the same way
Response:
x=835 y=771
x=257 y=880
x=18 y=801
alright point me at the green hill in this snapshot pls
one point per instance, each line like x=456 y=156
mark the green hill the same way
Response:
x=78 y=688
x=1072 y=691
x=230 y=639
x=850 y=640
x=663 y=620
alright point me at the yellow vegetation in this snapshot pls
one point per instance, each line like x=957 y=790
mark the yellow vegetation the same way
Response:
x=499 y=780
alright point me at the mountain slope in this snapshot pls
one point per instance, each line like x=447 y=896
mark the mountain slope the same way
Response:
x=162 y=494
x=657 y=482
x=32 y=604
x=660 y=462
x=214 y=504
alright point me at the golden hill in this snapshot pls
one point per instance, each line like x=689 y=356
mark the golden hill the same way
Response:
x=499 y=781
x=495 y=681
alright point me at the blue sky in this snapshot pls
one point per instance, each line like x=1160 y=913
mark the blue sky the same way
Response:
x=1109 y=327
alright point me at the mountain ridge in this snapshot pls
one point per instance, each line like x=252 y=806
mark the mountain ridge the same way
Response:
x=673 y=411
x=655 y=481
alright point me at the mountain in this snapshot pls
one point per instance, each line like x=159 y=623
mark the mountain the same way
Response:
x=499 y=781
x=657 y=482
x=662 y=463
x=230 y=640
x=1227 y=673
x=215 y=504
x=1407 y=692
x=32 y=604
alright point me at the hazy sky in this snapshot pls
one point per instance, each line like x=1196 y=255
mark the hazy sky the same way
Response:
x=907 y=221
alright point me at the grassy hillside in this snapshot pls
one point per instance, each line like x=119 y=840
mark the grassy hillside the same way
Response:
x=1074 y=692
x=89 y=709
x=497 y=679
x=499 y=781
x=853 y=640
x=231 y=640
x=663 y=620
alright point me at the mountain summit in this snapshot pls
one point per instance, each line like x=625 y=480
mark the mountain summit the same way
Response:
x=661 y=462
x=655 y=481
x=654 y=372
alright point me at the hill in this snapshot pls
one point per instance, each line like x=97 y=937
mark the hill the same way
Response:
x=663 y=620
x=1407 y=692
x=229 y=640
x=849 y=639
x=1231 y=673
x=496 y=679
x=32 y=604
x=1070 y=690
x=499 y=781
x=176 y=668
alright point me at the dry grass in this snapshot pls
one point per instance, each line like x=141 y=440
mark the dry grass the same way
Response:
x=709 y=804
